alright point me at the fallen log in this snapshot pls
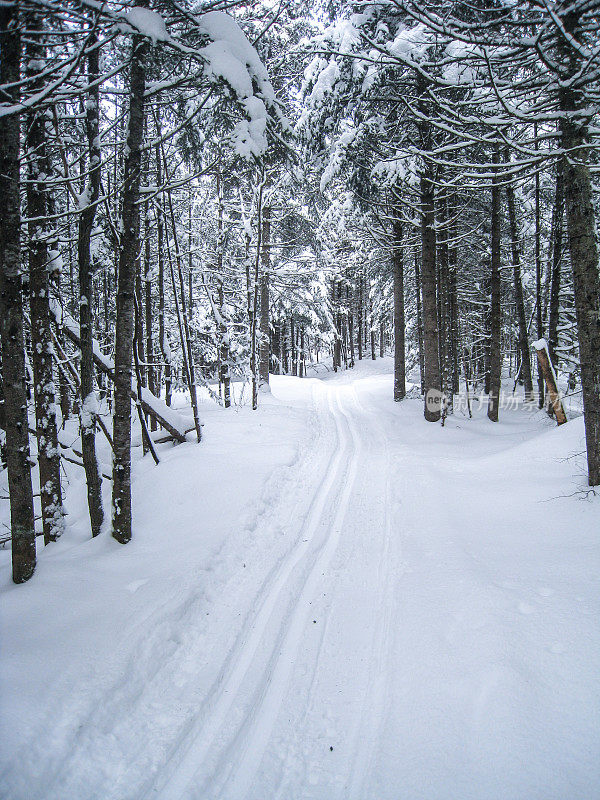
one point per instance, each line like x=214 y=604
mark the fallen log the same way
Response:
x=167 y=417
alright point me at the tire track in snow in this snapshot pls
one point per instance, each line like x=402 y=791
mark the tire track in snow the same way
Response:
x=187 y=769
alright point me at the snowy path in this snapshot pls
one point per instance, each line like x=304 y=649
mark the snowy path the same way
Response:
x=320 y=692
x=415 y=617
x=256 y=683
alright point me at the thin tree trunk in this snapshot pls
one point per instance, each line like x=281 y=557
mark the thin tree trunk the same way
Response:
x=419 y=322
x=350 y=301
x=454 y=333
x=182 y=319
x=264 y=344
x=557 y=246
x=399 y=322
x=519 y=301
x=584 y=263
x=88 y=411
x=149 y=313
x=359 y=316
x=372 y=327
x=121 y=496
x=253 y=332
x=302 y=369
x=538 y=274
x=39 y=272
x=224 y=355
x=11 y=311
x=431 y=357
x=293 y=347
x=495 y=356
x=445 y=323
x=337 y=342
x=162 y=335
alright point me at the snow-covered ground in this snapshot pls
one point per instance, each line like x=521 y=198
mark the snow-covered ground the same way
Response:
x=327 y=599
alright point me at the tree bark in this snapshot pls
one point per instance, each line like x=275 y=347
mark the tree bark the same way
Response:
x=539 y=323
x=519 y=300
x=399 y=322
x=583 y=247
x=162 y=335
x=557 y=246
x=548 y=375
x=419 y=322
x=359 y=316
x=224 y=355
x=431 y=356
x=39 y=272
x=130 y=242
x=86 y=302
x=264 y=344
x=584 y=263
x=445 y=322
x=11 y=312
x=495 y=355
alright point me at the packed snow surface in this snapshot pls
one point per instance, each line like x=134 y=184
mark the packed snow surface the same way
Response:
x=328 y=599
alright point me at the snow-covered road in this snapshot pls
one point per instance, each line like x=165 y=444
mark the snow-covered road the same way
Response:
x=409 y=612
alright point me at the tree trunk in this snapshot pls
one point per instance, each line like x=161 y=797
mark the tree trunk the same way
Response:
x=431 y=356
x=539 y=324
x=359 y=316
x=419 y=322
x=445 y=323
x=148 y=313
x=337 y=342
x=88 y=411
x=495 y=356
x=264 y=344
x=557 y=245
x=121 y=497
x=371 y=326
x=302 y=368
x=350 y=301
x=11 y=312
x=519 y=301
x=162 y=335
x=453 y=294
x=39 y=273
x=584 y=263
x=399 y=322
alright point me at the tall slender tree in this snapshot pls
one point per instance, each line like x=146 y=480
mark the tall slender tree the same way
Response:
x=11 y=307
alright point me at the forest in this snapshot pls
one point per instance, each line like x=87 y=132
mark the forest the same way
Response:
x=201 y=198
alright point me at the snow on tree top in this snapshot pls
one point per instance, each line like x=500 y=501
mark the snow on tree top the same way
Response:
x=232 y=57
x=148 y=23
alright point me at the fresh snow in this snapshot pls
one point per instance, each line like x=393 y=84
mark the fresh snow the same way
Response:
x=327 y=599
x=231 y=57
x=148 y=23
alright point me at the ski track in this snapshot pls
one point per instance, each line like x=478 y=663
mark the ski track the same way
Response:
x=222 y=758
x=152 y=666
x=193 y=770
x=286 y=695
x=380 y=668
x=256 y=739
x=345 y=778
